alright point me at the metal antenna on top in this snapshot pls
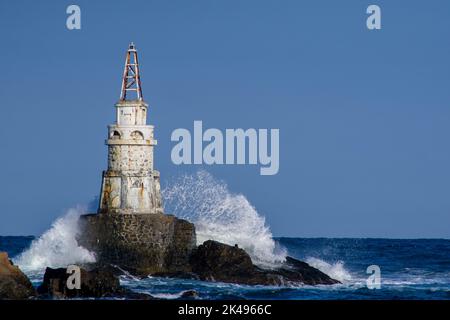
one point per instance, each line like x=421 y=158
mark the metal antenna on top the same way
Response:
x=131 y=80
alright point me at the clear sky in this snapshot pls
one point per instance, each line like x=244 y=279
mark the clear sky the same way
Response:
x=364 y=116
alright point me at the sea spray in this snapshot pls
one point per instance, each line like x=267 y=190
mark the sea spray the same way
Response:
x=336 y=270
x=57 y=247
x=221 y=215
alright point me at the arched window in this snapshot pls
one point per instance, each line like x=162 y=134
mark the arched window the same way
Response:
x=137 y=135
x=115 y=135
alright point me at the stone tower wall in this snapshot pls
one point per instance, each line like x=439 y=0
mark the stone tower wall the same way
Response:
x=130 y=185
x=130 y=158
x=141 y=244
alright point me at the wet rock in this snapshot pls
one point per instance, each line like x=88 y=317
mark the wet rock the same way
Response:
x=14 y=284
x=97 y=283
x=296 y=271
x=189 y=294
x=215 y=261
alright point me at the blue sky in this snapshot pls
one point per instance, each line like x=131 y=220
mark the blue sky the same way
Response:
x=363 y=115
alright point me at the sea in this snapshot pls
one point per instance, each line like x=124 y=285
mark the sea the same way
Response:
x=409 y=269
x=406 y=268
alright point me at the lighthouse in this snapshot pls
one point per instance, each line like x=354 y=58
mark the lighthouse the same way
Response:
x=131 y=229
x=130 y=185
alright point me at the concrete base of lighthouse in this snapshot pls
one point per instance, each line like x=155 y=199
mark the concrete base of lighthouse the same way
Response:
x=142 y=244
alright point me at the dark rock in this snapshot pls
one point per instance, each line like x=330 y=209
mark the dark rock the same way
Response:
x=215 y=261
x=14 y=284
x=294 y=270
x=96 y=283
x=113 y=269
x=100 y=282
x=189 y=294
x=142 y=244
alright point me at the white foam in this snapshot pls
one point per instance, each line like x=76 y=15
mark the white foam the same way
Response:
x=221 y=215
x=169 y=296
x=57 y=247
x=336 y=270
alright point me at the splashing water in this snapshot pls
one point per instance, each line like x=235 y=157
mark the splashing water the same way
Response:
x=336 y=271
x=57 y=247
x=223 y=216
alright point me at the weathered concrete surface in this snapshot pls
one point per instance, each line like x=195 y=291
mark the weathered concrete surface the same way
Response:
x=130 y=184
x=142 y=244
x=130 y=192
x=14 y=284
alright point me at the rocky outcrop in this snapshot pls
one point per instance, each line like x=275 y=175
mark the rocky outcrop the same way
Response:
x=163 y=245
x=215 y=261
x=97 y=283
x=142 y=244
x=296 y=271
x=14 y=284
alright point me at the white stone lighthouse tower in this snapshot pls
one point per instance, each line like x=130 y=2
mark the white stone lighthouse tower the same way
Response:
x=130 y=185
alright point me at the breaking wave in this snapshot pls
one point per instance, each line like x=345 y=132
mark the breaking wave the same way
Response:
x=57 y=247
x=221 y=215
x=336 y=270
x=217 y=213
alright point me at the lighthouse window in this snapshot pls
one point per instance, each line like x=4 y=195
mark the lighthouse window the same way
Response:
x=137 y=135
x=115 y=135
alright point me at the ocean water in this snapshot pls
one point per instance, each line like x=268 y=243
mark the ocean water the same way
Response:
x=410 y=269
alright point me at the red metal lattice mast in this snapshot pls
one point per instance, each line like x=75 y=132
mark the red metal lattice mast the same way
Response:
x=131 y=80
